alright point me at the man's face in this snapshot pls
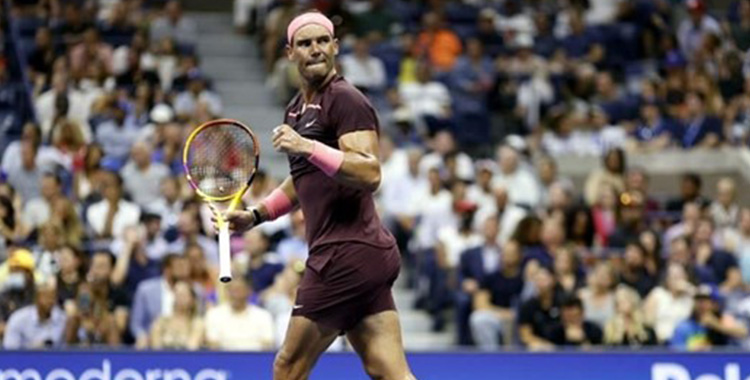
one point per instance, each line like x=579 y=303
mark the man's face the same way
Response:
x=46 y=296
x=314 y=50
x=179 y=269
x=101 y=268
x=238 y=294
x=49 y=187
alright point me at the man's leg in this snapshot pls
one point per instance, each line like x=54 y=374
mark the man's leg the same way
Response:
x=486 y=328
x=305 y=341
x=377 y=340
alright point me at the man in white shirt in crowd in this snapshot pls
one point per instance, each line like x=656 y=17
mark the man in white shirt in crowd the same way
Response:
x=362 y=70
x=37 y=326
x=442 y=144
x=507 y=214
x=37 y=211
x=522 y=186
x=142 y=178
x=109 y=217
x=434 y=207
x=426 y=97
x=238 y=324
x=173 y=24
x=168 y=205
x=25 y=178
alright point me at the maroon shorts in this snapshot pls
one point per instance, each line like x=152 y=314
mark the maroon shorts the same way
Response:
x=345 y=282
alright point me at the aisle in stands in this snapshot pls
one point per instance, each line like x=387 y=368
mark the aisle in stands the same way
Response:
x=102 y=243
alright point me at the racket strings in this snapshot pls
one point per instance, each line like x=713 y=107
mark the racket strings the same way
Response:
x=221 y=159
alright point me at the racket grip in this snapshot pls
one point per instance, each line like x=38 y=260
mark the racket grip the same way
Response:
x=225 y=254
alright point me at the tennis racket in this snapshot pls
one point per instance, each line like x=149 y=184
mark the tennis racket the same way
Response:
x=220 y=159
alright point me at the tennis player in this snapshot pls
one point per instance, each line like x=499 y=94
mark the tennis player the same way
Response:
x=330 y=134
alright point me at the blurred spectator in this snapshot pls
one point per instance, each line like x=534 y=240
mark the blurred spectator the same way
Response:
x=486 y=33
x=37 y=326
x=628 y=328
x=109 y=217
x=294 y=247
x=186 y=103
x=708 y=326
x=25 y=179
x=740 y=31
x=538 y=316
x=47 y=252
x=702 y=129
x=523 y=188
x=687 y=225
x=141 y=177
x=738 y=241
x=190 y=232
x=99 y=276
x=443 y=144
x=173 y=24
x=71 y=274
x=202 y=274
x=91 y=51
x=579 y=223
x=690 y=191
x=433 y=207
x=90 y=322
x=566 y=265
x=157 y=297
x=139 y=252
x=18 y=284
x=168 y=203
x=636 y=272
x=472 y=78
x=599 y=296
x=278 y=298
x=8 y=230
x=613 y=174
x=654 y=131
x=43 y=55
x=713 y=265
x=604 y=214
x=86 y=181
x=495 y=295
x=262 y=264
x=573 y=329
x=117 y=135
x=377 y=23
x=692 y=31
x=725 y=211
x=37 y=211
x=481 y=192
x=436 y=43
x=583 y=42
x=427 y=99
x=669 y=303
x=363 y=70
x=237 y=324
x=631 y=219
x=274 y=36
x=184 y=328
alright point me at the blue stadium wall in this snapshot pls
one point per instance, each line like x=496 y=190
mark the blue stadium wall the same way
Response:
x=101 y=365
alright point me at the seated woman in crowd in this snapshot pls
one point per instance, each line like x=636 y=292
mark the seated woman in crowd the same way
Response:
x=628 y=326
x=184 y=329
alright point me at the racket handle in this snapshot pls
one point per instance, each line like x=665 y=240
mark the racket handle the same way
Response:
x=225 y=254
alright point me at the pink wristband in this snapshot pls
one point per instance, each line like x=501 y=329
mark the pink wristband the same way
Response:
x=329 y=160
x=277 y=204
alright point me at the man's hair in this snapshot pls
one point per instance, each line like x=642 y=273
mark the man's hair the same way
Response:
x=572 y=301
x=694 y=178
x=169 y=259
x=112 y=258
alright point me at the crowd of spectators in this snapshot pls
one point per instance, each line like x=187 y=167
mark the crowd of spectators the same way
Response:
x=102 y=243
x=477 y=100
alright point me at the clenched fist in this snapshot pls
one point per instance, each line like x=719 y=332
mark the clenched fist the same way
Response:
x=287 y=140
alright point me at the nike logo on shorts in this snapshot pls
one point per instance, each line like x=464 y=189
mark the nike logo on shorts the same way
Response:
x=308 y=125
x=295 y=307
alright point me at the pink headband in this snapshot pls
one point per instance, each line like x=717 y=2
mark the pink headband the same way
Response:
x=305 y=19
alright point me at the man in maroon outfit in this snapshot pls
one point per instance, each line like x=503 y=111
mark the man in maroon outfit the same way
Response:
x=330 y=134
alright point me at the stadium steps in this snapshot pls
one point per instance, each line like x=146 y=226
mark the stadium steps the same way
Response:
x=233 y=62
x=416 y=324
